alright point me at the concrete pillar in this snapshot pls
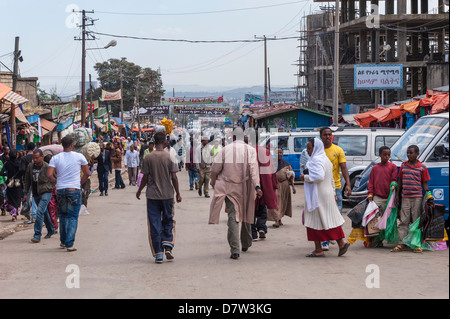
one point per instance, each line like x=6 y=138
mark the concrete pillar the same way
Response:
x=401 y=49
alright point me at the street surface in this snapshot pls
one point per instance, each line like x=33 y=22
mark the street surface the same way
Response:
x=114 y=260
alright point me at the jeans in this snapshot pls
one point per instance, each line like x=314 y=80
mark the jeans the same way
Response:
x=161 y=224
x=193 y=176
x=103 y=180
x=339 y=205
x=260 y=221
x=69 y=201
x=42 y=215
x=119 y=180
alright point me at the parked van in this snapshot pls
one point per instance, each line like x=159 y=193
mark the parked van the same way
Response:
x=431 y=134
x=360 y=145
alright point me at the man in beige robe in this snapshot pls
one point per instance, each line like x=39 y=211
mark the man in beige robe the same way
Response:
x=235 y=179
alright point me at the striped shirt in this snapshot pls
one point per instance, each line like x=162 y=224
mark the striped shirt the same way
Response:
x=412 y=178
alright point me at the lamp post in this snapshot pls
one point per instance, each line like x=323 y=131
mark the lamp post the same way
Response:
x=112 y=43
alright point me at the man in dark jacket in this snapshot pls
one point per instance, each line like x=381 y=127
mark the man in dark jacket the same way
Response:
x=104 y=167
x=41 y=187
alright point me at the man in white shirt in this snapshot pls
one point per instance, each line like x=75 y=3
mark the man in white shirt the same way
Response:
x=68 y=166
x=132 y=163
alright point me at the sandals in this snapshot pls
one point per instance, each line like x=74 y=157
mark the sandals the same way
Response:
x=399 y=248
x=343 y=250
x=314 y=254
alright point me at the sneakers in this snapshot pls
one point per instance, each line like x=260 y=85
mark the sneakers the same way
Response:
x=35 y=240
x=262 y=234
x=71 y=249
x=167 y=251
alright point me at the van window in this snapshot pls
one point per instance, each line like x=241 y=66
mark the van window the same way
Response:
x=280 y=142
x=441 y=151
x=300 y=143
x=384 y=141
x=353 y=145
x=421 y=134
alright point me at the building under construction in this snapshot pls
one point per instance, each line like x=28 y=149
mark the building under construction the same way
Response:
x=410 y=33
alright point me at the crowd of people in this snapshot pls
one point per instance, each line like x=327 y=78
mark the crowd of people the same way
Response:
x=254 y=186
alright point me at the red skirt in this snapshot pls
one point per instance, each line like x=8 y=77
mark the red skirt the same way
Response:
x=325 y=235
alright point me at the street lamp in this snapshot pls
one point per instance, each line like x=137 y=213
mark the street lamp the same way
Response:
x=112 y=43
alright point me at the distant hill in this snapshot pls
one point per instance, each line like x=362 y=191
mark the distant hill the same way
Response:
x=227 y=92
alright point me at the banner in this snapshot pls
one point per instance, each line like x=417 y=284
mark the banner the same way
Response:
x=201 y=110
x=283 y=96
x=147 y=110
x=373 y=76
x=253 y=98
x=111 y=96
x=191 y=100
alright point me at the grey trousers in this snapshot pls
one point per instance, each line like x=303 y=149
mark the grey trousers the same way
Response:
x=410 y=211
x=234 y=235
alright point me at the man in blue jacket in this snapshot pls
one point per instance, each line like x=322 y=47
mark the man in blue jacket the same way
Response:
x=104 y=167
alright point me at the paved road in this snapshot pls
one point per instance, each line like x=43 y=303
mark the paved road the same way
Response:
x=114 y=260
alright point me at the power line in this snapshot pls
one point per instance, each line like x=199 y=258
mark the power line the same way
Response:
x=190 y=41
x=201 y=12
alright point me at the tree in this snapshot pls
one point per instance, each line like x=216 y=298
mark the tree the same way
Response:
x=44 y=96
x=109 y=77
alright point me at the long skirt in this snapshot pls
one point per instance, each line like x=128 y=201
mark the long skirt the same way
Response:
x=325 y=235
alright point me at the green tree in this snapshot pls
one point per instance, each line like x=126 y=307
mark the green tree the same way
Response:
x=109 y=76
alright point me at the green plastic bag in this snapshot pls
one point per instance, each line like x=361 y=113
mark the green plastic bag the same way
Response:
x=390 y=234
x=414 y=237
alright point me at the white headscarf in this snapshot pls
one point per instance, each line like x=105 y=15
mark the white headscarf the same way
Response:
x=316 y=172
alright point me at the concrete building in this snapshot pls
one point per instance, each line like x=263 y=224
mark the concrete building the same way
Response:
x=406 y=32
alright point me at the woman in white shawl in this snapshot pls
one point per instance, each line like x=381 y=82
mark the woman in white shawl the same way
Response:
x=322 y=218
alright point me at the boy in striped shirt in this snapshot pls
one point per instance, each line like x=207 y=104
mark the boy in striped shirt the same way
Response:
x=413 y=180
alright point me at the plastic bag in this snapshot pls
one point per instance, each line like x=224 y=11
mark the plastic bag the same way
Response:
x=414 y=237
x=387 y=211
x=356 y=213
x=370 y=212
x=390 y=234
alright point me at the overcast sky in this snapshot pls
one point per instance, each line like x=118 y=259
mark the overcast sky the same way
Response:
x=50 y=52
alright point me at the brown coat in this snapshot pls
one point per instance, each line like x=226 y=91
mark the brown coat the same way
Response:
x=117 y=159
x=235 y=175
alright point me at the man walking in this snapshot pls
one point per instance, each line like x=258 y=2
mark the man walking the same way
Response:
x=104 y=167
x=68 y=166
x=337 y=158
x=160 y=178
x=35 y=179
x=132 y=163
x=204 y=167
x=235 y=179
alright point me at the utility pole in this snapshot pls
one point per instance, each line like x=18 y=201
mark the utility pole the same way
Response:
x=121 y=94
x=91 y=109
x=265 y=65
x=336 y=66
x=83 y=63
x=13 y=106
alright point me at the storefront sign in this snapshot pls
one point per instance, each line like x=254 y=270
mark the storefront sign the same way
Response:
x=201 y=110
x=191 y=100
x=374 y=76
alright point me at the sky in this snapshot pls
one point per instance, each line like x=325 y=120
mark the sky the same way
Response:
x=47 y=30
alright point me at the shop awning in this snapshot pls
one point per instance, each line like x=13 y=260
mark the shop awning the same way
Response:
x=100 y=125
x=8 y=95
x=440 y=104
x=364 y=119
x=47 y=126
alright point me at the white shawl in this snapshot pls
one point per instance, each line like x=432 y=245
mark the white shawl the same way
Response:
x=316 y=172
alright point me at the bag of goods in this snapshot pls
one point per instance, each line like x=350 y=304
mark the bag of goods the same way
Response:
x=81 y=136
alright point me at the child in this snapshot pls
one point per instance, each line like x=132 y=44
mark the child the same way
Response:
x=413 y=178
x=381 y=177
